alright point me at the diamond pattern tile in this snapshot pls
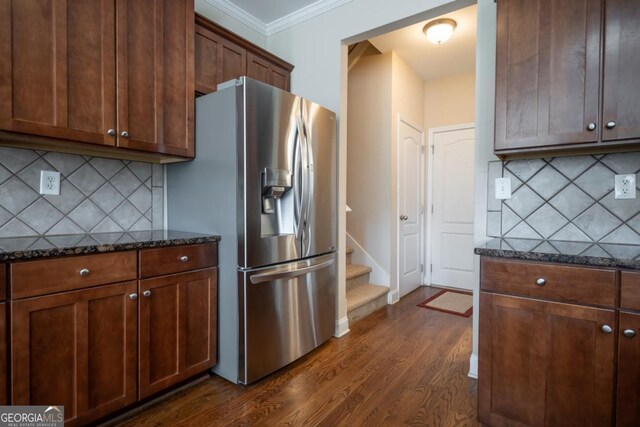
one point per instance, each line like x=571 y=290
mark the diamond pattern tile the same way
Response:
x=5 y=216
x=633 y=222
x=596 y=251
x=4 y=174
x=106 y=167
x=141 y=170
x=107 y=197
x=597 y=222
x=87 y=215
x=66 y=164
x=41 y=216
x=547 y=182
x=509 y=219
x=141 y=199
x=545 y=248
x=69 y=197
x=126 y=182
x=86 y=179
x=546 y=221
x=571 y=201
x=570 y=248
x=622 y=208
x=572 y=167
x=524 y=201
x=126 y=215
x=15 y=159
x=623 y=163
x=571 y=233
x=31 y=174
x=523 y=231
x=66 y=226
x=623 y=234
x=15 y=227
x=525 y=169
x=596 y=182
x=16 y=195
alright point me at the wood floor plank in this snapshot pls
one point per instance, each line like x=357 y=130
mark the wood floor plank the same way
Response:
x=402 y=365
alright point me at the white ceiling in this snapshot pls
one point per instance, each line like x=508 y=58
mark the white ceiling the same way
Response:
x=431 y=61
x=270 y=16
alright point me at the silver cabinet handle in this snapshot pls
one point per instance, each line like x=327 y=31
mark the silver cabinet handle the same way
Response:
x=541 y=281
x=124 y=134
x=629 y=333
x=611 y=124
x=146 y=293
x=592 y=126
x=84 y=272
x=111 y=132
x=607 y=329
x=184 y=258
x=133 y=296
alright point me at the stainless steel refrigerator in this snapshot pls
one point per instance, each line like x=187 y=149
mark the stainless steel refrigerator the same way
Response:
x=265 y=179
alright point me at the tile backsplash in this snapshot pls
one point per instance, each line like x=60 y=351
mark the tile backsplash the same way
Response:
x=565 y=198
x=96 y=194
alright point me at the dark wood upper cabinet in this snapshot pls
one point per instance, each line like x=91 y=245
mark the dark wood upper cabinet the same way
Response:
x=547 y=73
x=222 y=55
x=156 y=76
x=621 y=103
x=57 y=74
x=566 y=75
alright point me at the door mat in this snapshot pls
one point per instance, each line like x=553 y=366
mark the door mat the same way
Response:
x=452 y=302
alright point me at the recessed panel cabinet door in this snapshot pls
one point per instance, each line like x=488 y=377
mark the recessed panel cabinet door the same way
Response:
x=544 y=363
x=621 y=113
x=76 y=349
x=547 y=73
x=217 y=60
x=177 y=328
x=156 y=75
x=628 y=410
x=57 y=73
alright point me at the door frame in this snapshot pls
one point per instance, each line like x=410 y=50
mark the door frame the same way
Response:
x=402 y=118
x=428 y=241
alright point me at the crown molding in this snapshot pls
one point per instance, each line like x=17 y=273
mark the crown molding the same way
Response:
x=304 y=14
x=240 y=14
x=280 y=24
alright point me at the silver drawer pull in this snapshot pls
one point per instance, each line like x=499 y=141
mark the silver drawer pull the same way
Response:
x=184 y=258
x=541 y=281
x=146 y=293
x=607 y=329
x=84 y=272
x=629 y=333
x=133 y=296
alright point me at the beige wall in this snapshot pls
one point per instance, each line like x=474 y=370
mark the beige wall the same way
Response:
x=450 y=100
x=368 y=153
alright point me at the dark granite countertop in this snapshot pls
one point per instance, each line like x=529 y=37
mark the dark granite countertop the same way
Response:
x=22 y=248
x=596 y=254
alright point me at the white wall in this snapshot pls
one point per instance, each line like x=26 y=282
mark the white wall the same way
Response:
x=230 y=23
x=450 y=100
x=368 y=151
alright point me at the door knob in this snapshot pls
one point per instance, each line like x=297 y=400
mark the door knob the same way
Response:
x=591 y=126
x=629 y=333
x=403 y=217
x=611 y=124
x=607 y=329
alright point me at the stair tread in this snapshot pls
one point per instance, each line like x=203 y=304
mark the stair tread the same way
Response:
x=363 y=294
x=355 y=270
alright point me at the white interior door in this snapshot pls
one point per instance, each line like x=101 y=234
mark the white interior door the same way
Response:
x=453 y=203
x=410 y=178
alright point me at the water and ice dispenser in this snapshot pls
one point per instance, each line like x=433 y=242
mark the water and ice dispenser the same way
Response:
x=277 y=202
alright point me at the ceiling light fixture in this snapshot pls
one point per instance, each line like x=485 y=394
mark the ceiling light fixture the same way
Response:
x=439 y=30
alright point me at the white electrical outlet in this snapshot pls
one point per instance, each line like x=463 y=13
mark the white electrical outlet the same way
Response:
x=49 y=182
x=625 y=186
x=503 y=188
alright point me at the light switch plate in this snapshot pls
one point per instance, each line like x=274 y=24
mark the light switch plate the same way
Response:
x=625 y=186
x=50 y=182
x=503 y=188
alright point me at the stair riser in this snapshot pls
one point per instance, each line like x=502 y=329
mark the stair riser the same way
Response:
x=366 y=309
x=349 y=258
x=363 y=279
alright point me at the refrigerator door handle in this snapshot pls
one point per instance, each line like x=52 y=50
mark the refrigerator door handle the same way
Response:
x=285 y=273
x=310 y=187
x=297 y=182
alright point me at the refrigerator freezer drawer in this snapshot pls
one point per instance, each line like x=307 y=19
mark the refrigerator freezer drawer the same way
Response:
x=287 y=311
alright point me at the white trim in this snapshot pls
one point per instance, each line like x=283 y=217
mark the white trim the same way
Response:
x=379 y=275
x=342 y=327
x=473 y=366
x=429 y=175
x=420 y=129
x=280 y=24
x=240 y=14
x=304 y=14
x=393 y=297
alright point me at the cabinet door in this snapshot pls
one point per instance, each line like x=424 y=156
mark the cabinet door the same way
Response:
x=279 y=77
x=547 y=73
x=156 y=75
x=76 y=349
x=177 y=328
x=3 y=354
x=621 y=112
x=628 y=401
x=544 y=363
x=57 y=74
x=257 y=68
x=217 y=60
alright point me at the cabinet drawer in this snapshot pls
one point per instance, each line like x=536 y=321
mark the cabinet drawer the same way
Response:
x=562 y=283
x=34 y=278
x=630 y=290
x=161 y=261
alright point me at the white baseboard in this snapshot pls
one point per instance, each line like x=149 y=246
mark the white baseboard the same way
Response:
x=360 y=256
x=393 y=297
x=342 y=327
x=473 y=366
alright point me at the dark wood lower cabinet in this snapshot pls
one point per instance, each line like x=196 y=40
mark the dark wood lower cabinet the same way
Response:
x=545 y=363
x=3 y=352
x=628 y=400
x=76 y=349
x=177 y=328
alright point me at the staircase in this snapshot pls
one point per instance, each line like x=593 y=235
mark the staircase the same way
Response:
x=363 y=298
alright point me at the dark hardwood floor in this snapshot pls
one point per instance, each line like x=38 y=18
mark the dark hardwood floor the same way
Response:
x=402 y=365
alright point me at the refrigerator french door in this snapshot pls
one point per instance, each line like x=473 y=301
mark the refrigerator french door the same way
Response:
x=264 y=179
